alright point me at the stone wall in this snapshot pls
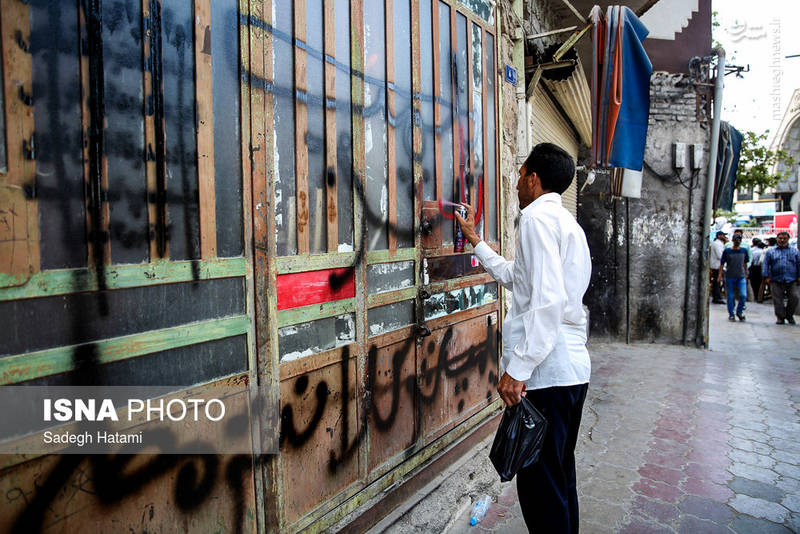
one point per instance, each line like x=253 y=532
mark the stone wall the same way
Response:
x=643 y=248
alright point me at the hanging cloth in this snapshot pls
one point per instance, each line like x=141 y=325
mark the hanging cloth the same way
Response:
x=620 y=89
x=630 y=132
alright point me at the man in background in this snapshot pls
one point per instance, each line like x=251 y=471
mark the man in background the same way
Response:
x=717 y=246
x=781 y=271
x=734 y=262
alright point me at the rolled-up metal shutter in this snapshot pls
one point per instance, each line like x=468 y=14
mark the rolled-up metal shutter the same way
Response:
x=548 y=125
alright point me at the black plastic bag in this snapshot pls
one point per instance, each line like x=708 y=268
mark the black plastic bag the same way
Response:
x=519 y=438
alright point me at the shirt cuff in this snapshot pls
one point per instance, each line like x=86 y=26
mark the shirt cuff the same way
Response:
x=519 y=369
x=483 y=251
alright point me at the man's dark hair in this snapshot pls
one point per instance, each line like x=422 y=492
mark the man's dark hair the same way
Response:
x=772 y=241
x=783 y=233
x=738 y=231
x=554 y=166
x=720 y=233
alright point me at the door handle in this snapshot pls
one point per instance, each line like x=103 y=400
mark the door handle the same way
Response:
x=422 y=331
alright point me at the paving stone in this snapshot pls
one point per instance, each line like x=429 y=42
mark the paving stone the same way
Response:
x=750 y=445
x=794 y=522
x=706 y=509
x=695 y=525
x=788 y=470
x=753 y=473
x=750 y=525
x=792 y=502
x=642 y=526
x=787 y=445
x=759 y=508
x=788 y=484
x=662 y=474
x=661 y=512
x=748 y=424
x=707 y=472
x=658 y=490
x=671 y=460
x=702 y=488
x=751 y=458
x=784 y=456
x=601 y=511
x=754 y=488
x=750 y=434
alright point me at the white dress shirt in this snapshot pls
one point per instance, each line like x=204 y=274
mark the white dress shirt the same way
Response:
x=544 y=334
x=717 y=247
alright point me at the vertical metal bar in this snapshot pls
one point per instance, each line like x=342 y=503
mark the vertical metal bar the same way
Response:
x=19 y=246
x=416 y=90
x=154 y=118
x=391 y=133
x=485 y=122
x=301 y=126
x=360 y=223
x=453 y=103
x=470 y=121
x=97 y=209
x=205 y=129
x=149 y=131
x=331 y=178
x=437 y=98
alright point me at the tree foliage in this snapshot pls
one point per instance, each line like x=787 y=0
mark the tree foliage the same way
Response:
x=757 y=163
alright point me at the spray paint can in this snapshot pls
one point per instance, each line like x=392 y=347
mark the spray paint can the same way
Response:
x=459 y=241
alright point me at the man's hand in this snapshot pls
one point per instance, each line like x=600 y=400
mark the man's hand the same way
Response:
x=767 y=280
x=468 y=225
x=510 y=390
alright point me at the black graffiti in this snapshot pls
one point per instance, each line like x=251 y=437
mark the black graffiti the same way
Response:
x=427 y=393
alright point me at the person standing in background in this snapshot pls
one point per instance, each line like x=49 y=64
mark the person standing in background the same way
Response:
x=717 y=246
x=781 y=271
x=757 y=251
x=734 y=261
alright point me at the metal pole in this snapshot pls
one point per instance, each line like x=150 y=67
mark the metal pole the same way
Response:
x=702 y=301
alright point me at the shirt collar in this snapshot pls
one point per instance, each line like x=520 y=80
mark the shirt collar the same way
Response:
x=547 y=197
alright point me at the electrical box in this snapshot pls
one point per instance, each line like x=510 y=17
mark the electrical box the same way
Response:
x=697 y=156
x=678 y=156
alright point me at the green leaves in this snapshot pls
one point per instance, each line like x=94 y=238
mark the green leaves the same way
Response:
x=758 y=166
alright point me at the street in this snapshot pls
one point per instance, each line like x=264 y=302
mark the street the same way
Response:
x=673 y=439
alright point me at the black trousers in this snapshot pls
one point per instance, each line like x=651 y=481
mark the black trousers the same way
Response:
x=781 y=291
x=547 y=491
x=716 y=293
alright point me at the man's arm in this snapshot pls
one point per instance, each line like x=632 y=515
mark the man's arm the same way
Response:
x=500 y=268
x=766 y=269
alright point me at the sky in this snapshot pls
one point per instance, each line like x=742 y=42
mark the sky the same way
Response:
x=760 y=34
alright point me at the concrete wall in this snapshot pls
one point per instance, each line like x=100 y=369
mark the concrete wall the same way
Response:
x=640 y=247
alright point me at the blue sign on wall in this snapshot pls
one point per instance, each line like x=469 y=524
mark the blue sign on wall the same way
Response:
x=511 y=75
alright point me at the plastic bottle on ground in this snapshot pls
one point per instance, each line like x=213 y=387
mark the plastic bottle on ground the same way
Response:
x=479 y=510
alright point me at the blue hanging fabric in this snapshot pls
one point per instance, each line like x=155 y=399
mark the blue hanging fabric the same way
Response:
x=630 y=134
x=620 y=89
x=728 y=151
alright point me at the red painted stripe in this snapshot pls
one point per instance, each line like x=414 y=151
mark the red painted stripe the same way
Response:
x=313 y=287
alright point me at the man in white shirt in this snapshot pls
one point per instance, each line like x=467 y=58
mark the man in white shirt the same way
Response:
x=717 y=247
x=544 y=335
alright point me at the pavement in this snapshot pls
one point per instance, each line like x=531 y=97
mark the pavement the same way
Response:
x=673 y=440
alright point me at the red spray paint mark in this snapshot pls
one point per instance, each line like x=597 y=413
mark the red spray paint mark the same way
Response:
x=313 y=287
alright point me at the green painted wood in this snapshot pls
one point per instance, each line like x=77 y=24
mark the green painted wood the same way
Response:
x=383 y=256
x=21 y=367
x=315 y=262
x=305 y=314
x=65 y=281
x=390 y=297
